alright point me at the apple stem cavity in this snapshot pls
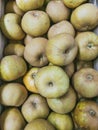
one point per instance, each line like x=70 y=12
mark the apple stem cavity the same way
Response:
x=50 y=84
x=90 y=45
x=89 y=77
x=92 y=112
x=33 y=75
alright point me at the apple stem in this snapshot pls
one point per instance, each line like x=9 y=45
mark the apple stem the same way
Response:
x=92 y=112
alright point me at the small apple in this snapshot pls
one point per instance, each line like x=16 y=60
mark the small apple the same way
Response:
x=11 y=7
x=35 y=23
x=14 y=49
x=12 y=67
x=62 y=49
x=61 y=121
x=63 y=104
x=10 y=26
x=85 y=115
x=51 y=81
x=63 y=26
x=85 y=82
x=28 y=80
x=34 y=52
x=8 y=90
x=12 y=119
x=87 y=43
x=84 y=17
x=54 y=9
x=35 y=107
x=39 y=124
x=29 y=4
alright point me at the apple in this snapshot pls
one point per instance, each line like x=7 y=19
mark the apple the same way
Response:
x=63 y=104
x=8 y=90
x=11 y=7
x=84 y=17
x=85 y=115
x=61 y=121
x=54 y=9
x=34 y=52
x=73 y=3
x=28 y=80
x=29 y=4
x=88 y=45
x=85 y=82
x=14 y=49
x=12 y=67
x=51 y=81
x=35 y=23
x=63 y=26
x=61 y=49
x=10 y=26
x=39 y=124
x=35 y=107
x=12 y=119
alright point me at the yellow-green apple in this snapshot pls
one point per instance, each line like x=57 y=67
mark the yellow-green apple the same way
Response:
x=65 y=103
x=61 y=121
x=85 y=115
x=35 y=22
x=87 y=43
x=12 y=67
x=61 y=49
x=27 y=5
x=85 y=82
x=11 y=7
x=63 y=26
x=12 y=119
x=8 y=90
x=14 y=49
x=54 y=9
x=51 y=81
x=73 y=3
x=39 y=124
x=34 y=52
x=85 y=17
x=10 y=26
x=35 y=107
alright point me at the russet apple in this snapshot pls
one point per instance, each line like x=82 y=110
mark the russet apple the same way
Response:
x=51 y=81
x=35 y=107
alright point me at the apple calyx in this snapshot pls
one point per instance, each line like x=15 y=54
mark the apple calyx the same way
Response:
x=92 y=112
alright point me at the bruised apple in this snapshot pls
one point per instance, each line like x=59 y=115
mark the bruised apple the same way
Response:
x=51 y=81
x=85 y=115
x=12 y=67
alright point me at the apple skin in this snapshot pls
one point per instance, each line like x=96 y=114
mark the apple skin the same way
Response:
x=54 y=9
x=35 y=107
x=87 y=43
x=63 y=26
x=86 y=17
x=30 y=4
x=12 y=119
x=63 y=104
x=12 y=67
x=8 y=90
x=61 y=121
x=10 y=26
x=85 y=115
x=51 y=81
x=11 y=7
x=39 y=124
x=61 y=49
x=35 y=23
x=85 y=82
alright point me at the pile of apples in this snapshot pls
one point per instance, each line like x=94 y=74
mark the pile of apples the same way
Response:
x=47 y=70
